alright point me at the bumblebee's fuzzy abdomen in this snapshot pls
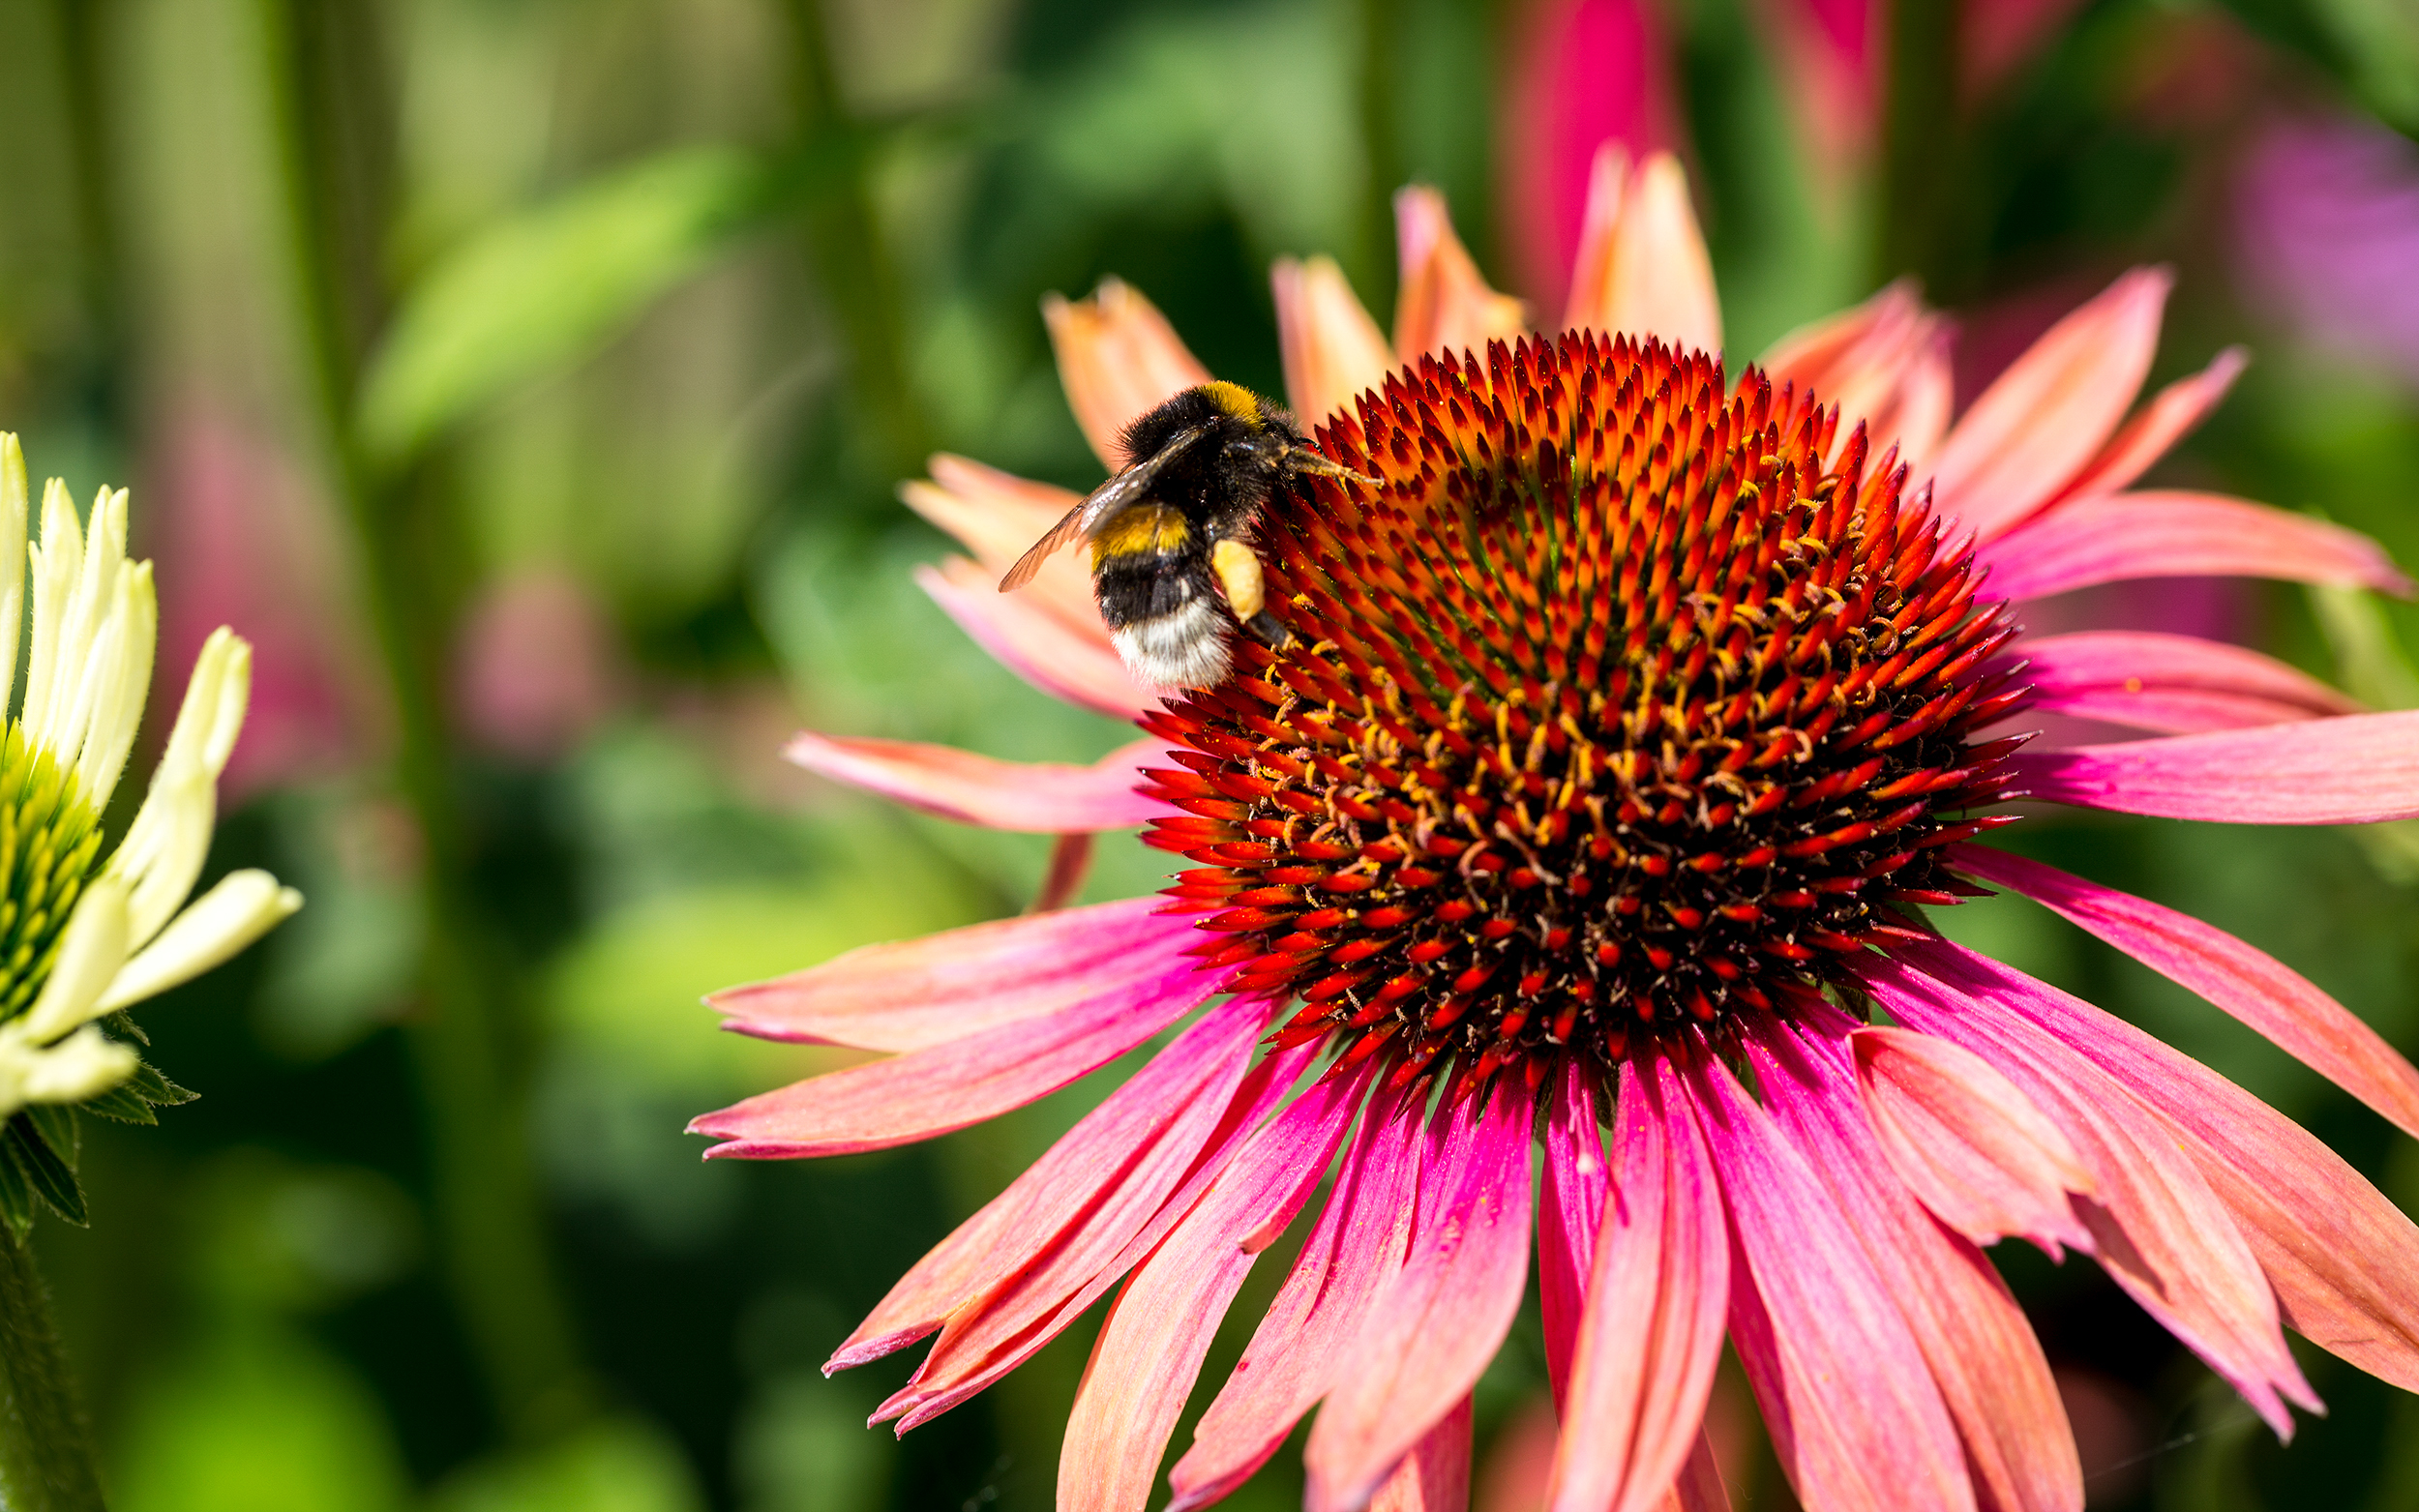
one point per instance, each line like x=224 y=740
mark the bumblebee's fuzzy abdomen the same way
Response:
x=1143 y=586
x=1164 y=616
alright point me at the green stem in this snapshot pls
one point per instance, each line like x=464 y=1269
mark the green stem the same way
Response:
x=46 y=1462
x=1923 y=142
x=853 y=266
x=1381 y=146
x=464 y=1033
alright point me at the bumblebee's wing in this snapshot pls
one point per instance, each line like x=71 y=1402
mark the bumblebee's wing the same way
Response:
x=1127 y=487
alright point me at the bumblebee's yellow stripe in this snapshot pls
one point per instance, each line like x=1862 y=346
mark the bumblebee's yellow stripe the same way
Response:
x=1143 y=530
x=1236 y=399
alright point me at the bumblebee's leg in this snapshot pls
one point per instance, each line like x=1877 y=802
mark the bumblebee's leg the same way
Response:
x=1239 y=576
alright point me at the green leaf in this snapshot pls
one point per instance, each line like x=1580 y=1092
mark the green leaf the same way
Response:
x=44 y=1171
x=547 y=286
x=122 y=1105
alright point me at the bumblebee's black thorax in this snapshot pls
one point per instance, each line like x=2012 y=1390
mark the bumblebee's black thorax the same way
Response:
x=1220 y=481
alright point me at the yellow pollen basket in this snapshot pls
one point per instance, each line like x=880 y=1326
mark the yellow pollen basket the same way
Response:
x=1235 y=400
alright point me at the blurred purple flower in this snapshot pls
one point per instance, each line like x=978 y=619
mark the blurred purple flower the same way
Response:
x=537 y=669
x=2326 y=234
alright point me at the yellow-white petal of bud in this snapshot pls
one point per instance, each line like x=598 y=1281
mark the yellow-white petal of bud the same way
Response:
x=207 y=724
x=158 y=877
x=223 y=921
x=12 y=503
x=87 y=653
x=92 y=950
x=85 y=1064
x=122 y=686
x=58 y=559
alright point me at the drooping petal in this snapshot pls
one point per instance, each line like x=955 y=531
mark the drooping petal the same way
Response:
x=1432 y=1329
x=1034 y=797
x=915 y=994
x=1150 y=1348
x=1883 y=363
x=2176 y=685
x=2356 y=769
x=1652 y=1330
x=1968 y=1143
x=2150 y=434
x=997 y=515
x=1569 y=1212
x=1356 y=1247
x=1332 y=348
x=241 y=907
x=1117 y=358
x=1039 y=646
x=1005 y=1326
x=2344 y=1260
x=1642 y=267
x=2157 y=1229
x=2041 y=420
x=1441 y=301
x=1435 y=1476
x=1850 y=1403
x=2116 y=537
x=2249 y=983
x=1989 y=1366
x=932 y=1091
x=1088 y=1195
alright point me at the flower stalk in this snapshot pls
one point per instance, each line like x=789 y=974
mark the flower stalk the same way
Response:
x=46 y=1461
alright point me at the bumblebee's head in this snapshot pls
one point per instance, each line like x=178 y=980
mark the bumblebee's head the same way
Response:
x=1262 y=440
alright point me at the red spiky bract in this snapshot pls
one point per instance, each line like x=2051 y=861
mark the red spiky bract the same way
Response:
x=1613 y=712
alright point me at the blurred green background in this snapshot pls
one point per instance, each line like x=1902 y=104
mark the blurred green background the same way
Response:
x=530 y=380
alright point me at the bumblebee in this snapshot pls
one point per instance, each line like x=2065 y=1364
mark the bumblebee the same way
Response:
x=1171 y=535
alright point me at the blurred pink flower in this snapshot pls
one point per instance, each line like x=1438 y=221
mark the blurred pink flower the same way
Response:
x=1625 y=720
x=247 y=542
x=1584 y=72
x=536 y=668
x=2326 y=234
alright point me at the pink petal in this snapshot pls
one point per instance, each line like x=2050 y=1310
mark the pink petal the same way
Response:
x=1356 y=1247
x=2177 y=685
x=1568 y=1218
x=1699 y=1487
x=1850 y=1403
x=1431 y=1330
x=2180 y=408
x=1150 y=1348
x=1968 y=1143
x=1435 y=1476
x=1983 y=1354
x=997 y=515
x=1077 y=665
x=1584 y=73
x=1000 y=1330
x=1037 y=797
x=1652 y=1331
x=2157 y=1229
x=1883 y=363
x=1117 y=358
x=1828 y=55
x=1442 y=301
x=2119 y=536
x=1095 y=1188
x=1642 y=267
x=929 y=1092
x=1332 y=349
x=2355 y=769
x=2344 y=1260
x=916 y=993
x=2041 y=420
x=2250 y=984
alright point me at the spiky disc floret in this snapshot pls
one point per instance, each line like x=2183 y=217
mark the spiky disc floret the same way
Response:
x=1614 y=710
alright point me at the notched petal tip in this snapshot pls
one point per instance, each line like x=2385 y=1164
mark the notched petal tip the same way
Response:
x=1117 y=358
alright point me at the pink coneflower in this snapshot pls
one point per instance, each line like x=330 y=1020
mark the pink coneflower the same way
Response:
x=1627 y=725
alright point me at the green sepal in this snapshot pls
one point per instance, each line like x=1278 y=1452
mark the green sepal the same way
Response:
x=44 y=1170
x=121 y=1103
x=58 y=1129
x=18 y=1203
x=152 y=1087
x=121 y=1025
